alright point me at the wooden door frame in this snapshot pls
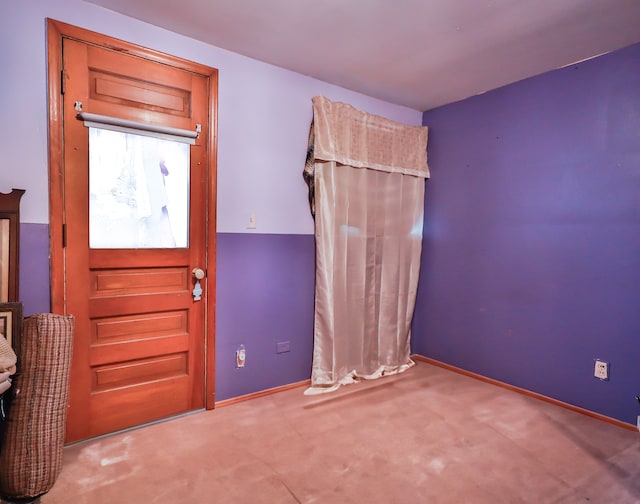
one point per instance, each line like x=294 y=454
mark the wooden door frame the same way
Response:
x=56 y=31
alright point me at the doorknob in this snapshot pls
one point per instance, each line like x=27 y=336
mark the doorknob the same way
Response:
x=198 y=274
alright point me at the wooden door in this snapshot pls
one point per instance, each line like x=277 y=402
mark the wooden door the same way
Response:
x=140 y=340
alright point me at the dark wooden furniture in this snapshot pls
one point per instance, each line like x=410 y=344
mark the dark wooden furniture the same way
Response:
x=10 y=245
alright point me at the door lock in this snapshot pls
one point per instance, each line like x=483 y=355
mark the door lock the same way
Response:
x=198 y=274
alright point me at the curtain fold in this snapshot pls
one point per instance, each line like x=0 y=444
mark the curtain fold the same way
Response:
x=366 y=179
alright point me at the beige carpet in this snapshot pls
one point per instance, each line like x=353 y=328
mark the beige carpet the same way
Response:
x=427 y=436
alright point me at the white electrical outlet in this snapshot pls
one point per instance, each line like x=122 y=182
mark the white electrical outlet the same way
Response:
x=638 y=423
x=601 y=370
x=241 y=356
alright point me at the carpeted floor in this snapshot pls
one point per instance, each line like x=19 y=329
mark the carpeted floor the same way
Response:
x=427 y=436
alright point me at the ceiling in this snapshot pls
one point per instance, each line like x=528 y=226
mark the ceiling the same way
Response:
x=417 y=53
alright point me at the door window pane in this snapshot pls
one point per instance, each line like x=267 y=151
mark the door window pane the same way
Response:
x=138 y=191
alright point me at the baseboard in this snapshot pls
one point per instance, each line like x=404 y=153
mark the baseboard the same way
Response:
x=261 y=393
x=526 y=392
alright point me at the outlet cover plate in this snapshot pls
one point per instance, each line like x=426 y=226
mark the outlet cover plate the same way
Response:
x=283 y=346
x=601 y=369
x=241 y=356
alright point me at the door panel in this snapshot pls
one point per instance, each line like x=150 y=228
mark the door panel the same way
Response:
x=121 y=407
x=112 y=89
x=120 y=282
x=139 y=351
x=147 y=92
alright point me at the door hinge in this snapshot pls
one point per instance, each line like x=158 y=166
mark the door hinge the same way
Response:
x=64 y=235
x=62 y=82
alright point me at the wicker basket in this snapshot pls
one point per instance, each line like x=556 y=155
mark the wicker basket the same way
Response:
x=31 y=454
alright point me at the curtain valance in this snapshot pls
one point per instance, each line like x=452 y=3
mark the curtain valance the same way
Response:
x=355 y=138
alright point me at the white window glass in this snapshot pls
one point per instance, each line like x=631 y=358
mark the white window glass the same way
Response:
x=138 y=191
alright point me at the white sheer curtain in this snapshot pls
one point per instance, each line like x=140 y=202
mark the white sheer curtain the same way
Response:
x=366 y=176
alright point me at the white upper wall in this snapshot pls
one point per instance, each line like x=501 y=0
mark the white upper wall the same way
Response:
x=263 y=117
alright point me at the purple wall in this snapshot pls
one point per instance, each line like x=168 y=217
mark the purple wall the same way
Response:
x=265 y=295
x=531 y=260
x=34 y=288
